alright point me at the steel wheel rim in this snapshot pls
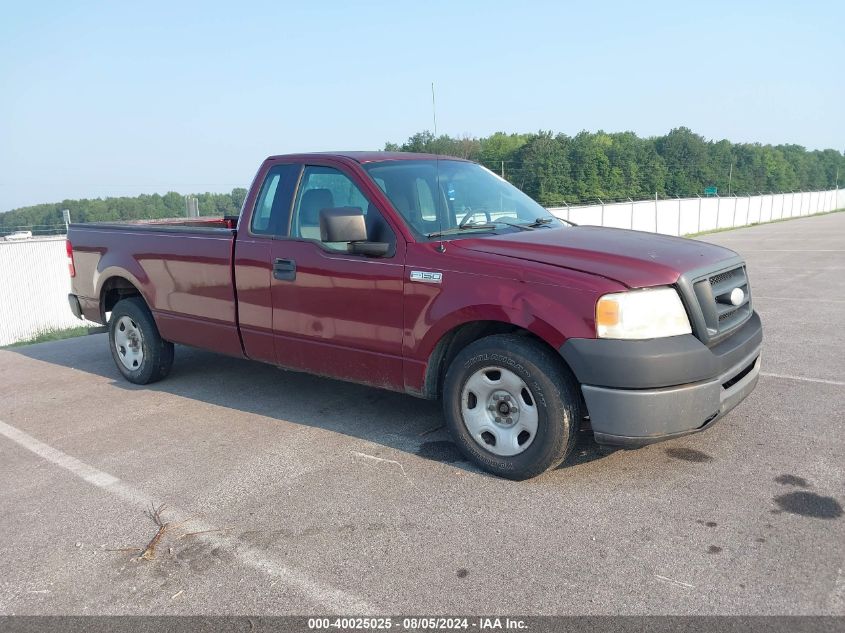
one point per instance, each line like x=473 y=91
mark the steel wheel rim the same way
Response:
x=499 y=411
x=129 y=343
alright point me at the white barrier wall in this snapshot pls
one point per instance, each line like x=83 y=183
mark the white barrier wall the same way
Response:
x=684 y=216
x=34 y=284
x=34 y=280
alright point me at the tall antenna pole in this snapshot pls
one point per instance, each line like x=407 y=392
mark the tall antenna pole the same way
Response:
x=441 y=247
x=433 y=110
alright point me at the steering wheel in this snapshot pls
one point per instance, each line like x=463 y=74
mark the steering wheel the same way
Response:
x=471 y=213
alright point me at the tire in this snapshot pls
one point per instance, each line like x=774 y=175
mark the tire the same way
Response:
x=517 y=438
x=137 y=348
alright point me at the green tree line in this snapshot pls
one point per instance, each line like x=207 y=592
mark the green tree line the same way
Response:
x=556 y=168
x=552 y=168
x=47 y=218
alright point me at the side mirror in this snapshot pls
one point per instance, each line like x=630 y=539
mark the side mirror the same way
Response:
x=372 y=249
x=342 y=224
x=347 y=224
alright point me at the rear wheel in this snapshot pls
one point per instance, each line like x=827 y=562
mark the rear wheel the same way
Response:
x=137 y=348
x=511 y=406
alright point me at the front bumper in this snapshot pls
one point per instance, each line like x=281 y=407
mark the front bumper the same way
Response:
x=641 y=392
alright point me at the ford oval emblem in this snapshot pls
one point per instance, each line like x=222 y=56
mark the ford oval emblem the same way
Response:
x=737 y=296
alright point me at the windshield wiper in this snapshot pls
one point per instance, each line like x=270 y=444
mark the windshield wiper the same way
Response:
x=490 y=226
x=521 y=227
x=539 y=222
x=463 y=227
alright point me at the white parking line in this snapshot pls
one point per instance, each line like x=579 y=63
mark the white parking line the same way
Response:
x=324 y=595
x=838 y=383
x=793 y=250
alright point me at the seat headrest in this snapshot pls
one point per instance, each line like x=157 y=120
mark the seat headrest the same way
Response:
x=403 y=205
x=400 y=201
x=312 y=201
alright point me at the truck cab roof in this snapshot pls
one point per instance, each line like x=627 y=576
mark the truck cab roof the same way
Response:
x=368 y=157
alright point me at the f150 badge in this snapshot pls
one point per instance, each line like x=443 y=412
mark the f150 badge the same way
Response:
x=426 y=276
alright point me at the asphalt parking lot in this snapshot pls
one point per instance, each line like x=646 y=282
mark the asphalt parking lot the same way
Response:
x=291 y=494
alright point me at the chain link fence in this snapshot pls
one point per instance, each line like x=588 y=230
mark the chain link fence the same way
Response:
x=34 y=284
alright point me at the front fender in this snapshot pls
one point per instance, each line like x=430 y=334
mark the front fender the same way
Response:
x=551 y=313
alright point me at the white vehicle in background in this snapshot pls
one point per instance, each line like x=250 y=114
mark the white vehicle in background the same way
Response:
x=18 y=236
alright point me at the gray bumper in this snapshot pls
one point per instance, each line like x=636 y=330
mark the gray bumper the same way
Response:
x=627 y=409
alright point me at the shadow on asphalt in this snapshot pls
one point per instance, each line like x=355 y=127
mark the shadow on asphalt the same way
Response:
x=392 y=419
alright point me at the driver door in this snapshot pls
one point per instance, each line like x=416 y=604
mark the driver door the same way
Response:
x=335 y=313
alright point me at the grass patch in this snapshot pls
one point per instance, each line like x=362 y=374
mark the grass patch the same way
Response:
x=51 y=335
x=745 y=226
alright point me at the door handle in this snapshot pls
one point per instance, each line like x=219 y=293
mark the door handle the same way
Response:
x=284 y=269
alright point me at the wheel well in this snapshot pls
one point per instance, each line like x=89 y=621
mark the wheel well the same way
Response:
x=458 y=338
x=115 y=289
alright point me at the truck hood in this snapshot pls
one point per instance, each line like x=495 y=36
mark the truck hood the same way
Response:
x=633 y=258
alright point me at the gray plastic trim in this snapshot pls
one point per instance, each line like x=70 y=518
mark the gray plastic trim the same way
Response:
x=631 y=418
x=658 y=363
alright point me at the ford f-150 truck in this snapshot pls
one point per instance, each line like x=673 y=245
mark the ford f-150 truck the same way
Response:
x=435 y=277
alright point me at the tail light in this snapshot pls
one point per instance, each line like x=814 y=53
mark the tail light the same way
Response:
x=70 y=266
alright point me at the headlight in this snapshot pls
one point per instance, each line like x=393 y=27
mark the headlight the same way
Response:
x=641 y=314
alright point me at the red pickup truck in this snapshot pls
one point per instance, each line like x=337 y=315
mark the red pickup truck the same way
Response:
x=435 y=277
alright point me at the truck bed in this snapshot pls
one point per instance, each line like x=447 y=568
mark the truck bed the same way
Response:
x=226 y=223
x=183 y=269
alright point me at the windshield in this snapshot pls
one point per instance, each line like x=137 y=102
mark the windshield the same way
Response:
x=456 y=198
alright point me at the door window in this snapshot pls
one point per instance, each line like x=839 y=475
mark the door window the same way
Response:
x=270 y=216
x=328 y=188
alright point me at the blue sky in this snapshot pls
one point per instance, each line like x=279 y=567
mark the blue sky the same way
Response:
x=118 y=98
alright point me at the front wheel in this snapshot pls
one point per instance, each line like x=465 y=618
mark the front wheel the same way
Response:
x=137 y=348
x=511 y=406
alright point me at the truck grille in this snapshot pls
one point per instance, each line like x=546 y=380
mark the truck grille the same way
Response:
x=720 y=302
